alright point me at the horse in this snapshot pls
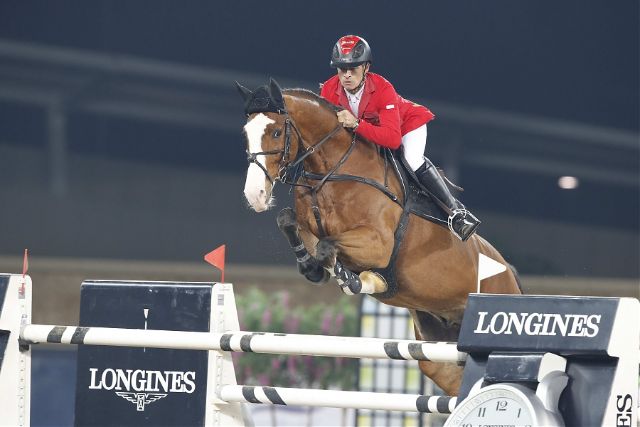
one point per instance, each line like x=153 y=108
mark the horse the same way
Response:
x=348 y=207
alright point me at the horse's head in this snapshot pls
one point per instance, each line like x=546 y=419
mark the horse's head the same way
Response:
x=271 y=144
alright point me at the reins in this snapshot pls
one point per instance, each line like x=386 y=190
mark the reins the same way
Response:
x=291 y=173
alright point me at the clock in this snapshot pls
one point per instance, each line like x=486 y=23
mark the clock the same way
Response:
x=504 y=404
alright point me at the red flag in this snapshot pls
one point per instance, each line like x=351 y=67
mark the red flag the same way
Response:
x=216 y=258
x=25 y=263
x=25 y=268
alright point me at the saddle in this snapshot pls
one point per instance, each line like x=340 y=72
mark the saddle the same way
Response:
x=419 y=200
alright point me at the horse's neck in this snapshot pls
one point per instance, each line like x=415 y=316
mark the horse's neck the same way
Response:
x=331 y=153
x=315 y=123
x=348 y=156
x=314 y=126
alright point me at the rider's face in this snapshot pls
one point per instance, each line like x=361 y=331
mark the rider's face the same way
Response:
x=350 y=78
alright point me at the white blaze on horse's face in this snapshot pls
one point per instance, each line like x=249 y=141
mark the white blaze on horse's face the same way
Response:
x=255 y=187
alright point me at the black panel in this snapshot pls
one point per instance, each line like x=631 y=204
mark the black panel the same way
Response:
x=4 y=335
x=583 y=402
x=4 y=285
x=4 y=339
x=172 y=388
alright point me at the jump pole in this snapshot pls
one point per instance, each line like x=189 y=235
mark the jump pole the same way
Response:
x=338 y=399
x=250 y=342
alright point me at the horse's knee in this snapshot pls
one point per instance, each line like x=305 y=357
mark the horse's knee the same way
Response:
x=326 y=252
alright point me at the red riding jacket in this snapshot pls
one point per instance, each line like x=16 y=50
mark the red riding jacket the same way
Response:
x=384 y=115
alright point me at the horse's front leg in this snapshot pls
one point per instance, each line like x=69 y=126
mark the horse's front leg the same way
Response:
x=361 y=248
x=307 y=265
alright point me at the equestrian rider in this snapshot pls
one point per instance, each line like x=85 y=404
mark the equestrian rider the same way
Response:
x=375 y=112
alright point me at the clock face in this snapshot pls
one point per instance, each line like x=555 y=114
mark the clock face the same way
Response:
x=494 y=406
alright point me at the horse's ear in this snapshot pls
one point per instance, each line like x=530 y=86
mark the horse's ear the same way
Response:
x=276 y=92
x=244 y=92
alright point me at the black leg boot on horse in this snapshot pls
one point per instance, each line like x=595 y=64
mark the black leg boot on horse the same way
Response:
x=461 y=222
x=307 y=265
x=327 y=255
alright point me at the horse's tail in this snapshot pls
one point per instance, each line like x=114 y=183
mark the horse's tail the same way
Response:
x=517 y=276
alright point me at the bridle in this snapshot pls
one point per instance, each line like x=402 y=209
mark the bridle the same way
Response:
x=289 y=173
x=286 y=171
x=284 y=151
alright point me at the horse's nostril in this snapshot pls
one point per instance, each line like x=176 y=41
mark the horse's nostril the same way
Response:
x=262 y=192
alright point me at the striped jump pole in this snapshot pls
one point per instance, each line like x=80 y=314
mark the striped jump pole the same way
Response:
x=251 y=342
x=338 y=399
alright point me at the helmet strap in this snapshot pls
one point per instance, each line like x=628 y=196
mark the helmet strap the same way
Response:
x=364 y=77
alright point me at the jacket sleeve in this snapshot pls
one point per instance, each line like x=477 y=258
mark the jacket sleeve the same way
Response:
x=387 y=131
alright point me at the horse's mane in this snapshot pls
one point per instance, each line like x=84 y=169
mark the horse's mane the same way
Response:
x=307 y=94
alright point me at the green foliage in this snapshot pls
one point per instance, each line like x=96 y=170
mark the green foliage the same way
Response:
x=261 y=312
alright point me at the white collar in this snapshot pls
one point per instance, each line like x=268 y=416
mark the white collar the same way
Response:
x=355 y=96
x=354 y=100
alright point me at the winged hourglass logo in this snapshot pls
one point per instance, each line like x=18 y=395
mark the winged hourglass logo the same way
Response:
x=141 y=399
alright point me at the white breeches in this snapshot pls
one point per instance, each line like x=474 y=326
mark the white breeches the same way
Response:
x=414 y=144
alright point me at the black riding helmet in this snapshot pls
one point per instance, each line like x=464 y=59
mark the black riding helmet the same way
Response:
x=350 y=51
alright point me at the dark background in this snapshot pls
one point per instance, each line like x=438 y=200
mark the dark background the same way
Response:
x=573 y=63
x=574 y=60
x=151 y=167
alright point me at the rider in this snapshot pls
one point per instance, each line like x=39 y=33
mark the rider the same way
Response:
x=375 y=112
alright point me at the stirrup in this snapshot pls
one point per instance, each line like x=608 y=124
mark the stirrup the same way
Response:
x=463 y=213
x=455 y=213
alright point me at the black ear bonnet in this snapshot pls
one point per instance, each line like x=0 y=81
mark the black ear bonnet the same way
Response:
x=265 y=99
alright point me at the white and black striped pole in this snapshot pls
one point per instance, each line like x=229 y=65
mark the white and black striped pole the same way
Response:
x=269 y=343
x=338 y=399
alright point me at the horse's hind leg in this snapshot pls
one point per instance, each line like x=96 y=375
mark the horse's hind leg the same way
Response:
x=427 y=327
x=307 y=265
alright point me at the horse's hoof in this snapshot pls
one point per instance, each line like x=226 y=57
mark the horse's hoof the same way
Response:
x=313 y=271
x=373 y=283
x=318 y=277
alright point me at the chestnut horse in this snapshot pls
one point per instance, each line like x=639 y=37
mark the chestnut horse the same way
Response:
x=293 y=136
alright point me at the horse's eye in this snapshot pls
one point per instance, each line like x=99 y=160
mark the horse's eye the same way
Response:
x=277 y=133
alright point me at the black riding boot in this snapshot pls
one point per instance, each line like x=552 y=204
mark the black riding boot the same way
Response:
x=462 y=222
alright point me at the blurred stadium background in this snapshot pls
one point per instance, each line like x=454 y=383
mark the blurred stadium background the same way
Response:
x=121 y=154
x=120 y=128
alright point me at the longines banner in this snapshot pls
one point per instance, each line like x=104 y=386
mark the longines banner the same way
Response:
x=538 y=323
x=142 y=386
